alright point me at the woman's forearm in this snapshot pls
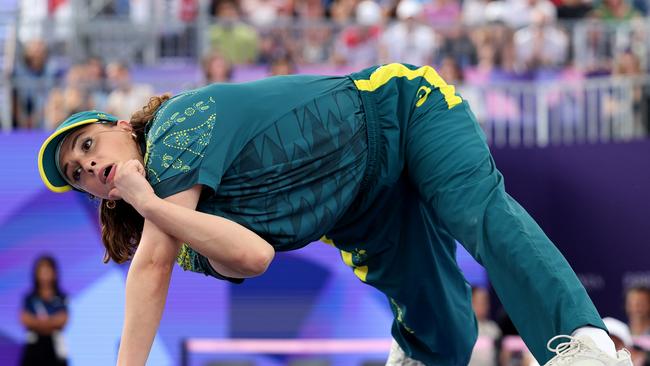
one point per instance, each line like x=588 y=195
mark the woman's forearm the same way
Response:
x=219 y=239
x=33 y=323
x=57 y=321
x=146 y=291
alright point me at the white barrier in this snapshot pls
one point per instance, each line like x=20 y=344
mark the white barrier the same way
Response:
x=562 y=112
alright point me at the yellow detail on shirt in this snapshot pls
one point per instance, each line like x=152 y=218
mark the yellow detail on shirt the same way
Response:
x=361 y=271
x=386 y=73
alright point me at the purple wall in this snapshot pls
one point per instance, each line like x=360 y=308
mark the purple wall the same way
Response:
x=593 y=201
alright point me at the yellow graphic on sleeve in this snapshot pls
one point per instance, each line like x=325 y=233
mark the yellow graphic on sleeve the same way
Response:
x=327 y=240
x=386 y=73
x=350 y=258
x=422 y=95
x=361 y=271
x=399 y=315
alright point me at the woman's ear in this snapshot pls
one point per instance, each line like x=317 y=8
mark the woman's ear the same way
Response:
x=125 y=125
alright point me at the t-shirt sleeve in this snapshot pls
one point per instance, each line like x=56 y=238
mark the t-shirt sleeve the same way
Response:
x=28 y=304
x=181 y=150
x=191 y=260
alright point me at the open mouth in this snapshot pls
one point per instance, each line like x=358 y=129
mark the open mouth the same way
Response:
x=107 y=172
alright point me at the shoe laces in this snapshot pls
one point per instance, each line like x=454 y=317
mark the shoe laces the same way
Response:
x=563 y=350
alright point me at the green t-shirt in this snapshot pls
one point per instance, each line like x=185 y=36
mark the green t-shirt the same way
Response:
x=283 y=156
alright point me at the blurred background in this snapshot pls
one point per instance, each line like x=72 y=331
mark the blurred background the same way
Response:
x=561 y=88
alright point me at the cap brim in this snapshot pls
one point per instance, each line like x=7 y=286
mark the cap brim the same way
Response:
x=50 y=175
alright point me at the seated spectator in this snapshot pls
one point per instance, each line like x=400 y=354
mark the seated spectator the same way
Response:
x=125 y=97
x=71 y=98
x=262 y=13
x=315 y=44
x=458 y=45
x=451 y=72
x=407 y=40
x=342 y=11
x=357 y=44
x=96 y=82
x=237 y=41
x=541 y=44
x=474 y=13
x=593 y=53
x=442 y=14
x=282 y=66
x=522 y=13
x=216 y=69
x=637 y=308
x=276 y=42
x=44 y=314
x=33 y=76
x=487 y=328
x=615 y=10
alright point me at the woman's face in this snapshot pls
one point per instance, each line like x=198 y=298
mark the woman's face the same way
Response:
x=637 y=304
x=44 y=273
x=89 y=155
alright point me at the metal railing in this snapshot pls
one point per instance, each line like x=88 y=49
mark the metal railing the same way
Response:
x=562 y=112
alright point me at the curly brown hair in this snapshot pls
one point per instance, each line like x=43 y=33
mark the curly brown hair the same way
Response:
x=122 y=224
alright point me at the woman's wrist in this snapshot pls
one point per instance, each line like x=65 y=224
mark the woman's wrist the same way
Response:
x=147 y=205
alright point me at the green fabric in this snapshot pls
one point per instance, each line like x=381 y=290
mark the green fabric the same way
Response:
x=284 y=157
x=437 y=182
x=393 y=176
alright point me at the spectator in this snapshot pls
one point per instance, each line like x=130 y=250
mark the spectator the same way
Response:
x=276 y=42
x=407 y=40
x=216 y=69
x=637 y=308
x=573 y=9
x=96 y=82
x=458 y=45
x=474 y=12
x=126 y=96
x=487 y=328
x=357 y=44
x=33 y=76
x=261 y=13
x=615 y=10
x=40 y=19
x=342 y=11
x=594 y=51
x=310 y=10
x=235 y=40
x=282 y=66
x=541 y=44
x=451 y=72
x=44 y=314
x=73 y=97
x=442 y=14
x=316 y=43
x=522 y=13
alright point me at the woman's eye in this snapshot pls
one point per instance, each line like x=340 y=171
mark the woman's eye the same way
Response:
x=76 y=174
x=85 y=146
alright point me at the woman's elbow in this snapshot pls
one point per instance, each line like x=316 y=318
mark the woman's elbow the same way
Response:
x=255 y=264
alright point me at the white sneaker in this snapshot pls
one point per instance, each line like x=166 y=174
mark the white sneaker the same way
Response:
x=397 y=357
x=582 y=351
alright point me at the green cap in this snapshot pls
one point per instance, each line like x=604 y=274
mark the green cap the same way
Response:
x=48 y=156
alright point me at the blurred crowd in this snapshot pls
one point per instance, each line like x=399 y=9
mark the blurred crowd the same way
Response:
x=500 y=345
x=470 y=42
